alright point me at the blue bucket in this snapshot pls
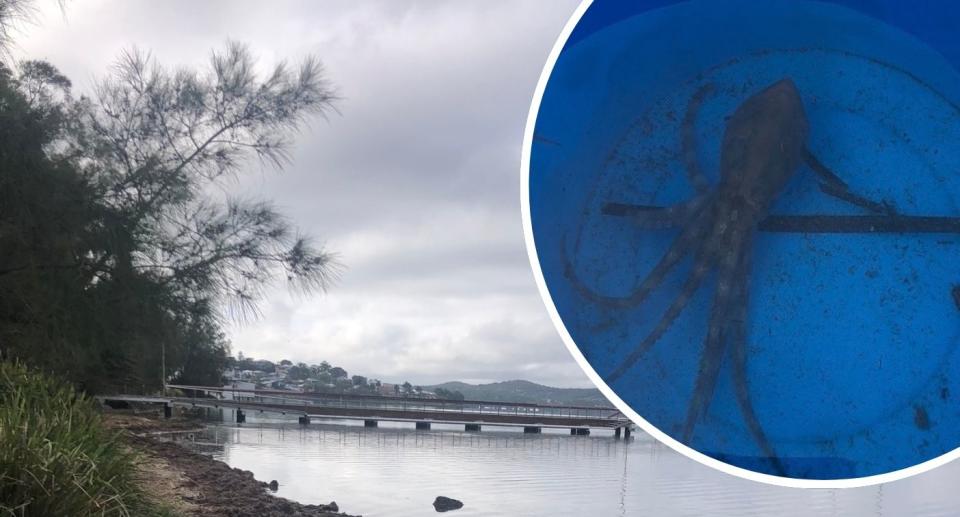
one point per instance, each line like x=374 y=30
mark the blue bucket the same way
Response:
x=848 y=368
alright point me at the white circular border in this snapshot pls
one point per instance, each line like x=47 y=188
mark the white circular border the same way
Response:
x=592 y=374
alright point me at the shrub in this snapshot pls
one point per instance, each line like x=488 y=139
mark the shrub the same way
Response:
x=56 y=458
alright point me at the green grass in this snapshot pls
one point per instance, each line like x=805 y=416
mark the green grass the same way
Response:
x=56 y=458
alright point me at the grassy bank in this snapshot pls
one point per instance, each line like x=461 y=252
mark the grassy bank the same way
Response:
x=56 y=458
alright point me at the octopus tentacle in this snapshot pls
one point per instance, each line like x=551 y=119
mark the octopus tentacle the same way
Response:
x=701 y=267
x=822 y=170
x=738 y=356
x=680 y=215
x=877 y=207
x=658 y=218
x=729 y=271
x=688 y=239
x=688 y=148
x=832 y=185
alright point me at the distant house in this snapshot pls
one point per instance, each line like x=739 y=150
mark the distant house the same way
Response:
x=241 y=395
x=232 y=374
x=270 y=379
x=388 y=390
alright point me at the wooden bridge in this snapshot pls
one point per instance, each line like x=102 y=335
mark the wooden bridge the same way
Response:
x=472 y=414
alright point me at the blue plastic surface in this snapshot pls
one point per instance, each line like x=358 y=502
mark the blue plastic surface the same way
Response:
x=852 y=363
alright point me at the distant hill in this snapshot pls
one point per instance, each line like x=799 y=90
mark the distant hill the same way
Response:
x=526 y=391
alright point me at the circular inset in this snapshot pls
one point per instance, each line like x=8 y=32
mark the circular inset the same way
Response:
x=745 y=216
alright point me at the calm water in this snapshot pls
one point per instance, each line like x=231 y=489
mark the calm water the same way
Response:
x=397 y=471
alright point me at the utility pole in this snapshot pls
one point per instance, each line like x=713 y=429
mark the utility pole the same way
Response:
x=163 y=366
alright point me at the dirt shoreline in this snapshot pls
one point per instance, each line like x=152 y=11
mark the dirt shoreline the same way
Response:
x=193 y=484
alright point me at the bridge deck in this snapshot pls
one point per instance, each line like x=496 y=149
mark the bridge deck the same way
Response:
x=396 y=409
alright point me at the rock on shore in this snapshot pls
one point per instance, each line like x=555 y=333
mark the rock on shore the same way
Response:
x=445 y=504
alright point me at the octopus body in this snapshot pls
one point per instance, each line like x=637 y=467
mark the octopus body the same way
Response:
x=764 y=144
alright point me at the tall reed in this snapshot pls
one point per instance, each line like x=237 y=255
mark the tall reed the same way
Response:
x=56 y=458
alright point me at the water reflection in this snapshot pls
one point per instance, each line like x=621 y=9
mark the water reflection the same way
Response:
x=397 y=471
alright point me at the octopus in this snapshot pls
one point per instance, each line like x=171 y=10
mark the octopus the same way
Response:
x=763 y=146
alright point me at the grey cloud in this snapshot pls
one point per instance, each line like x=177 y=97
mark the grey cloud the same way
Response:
x=415 y=183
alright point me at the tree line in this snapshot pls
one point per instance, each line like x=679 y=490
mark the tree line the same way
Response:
x=114 y=255
x=324 y=377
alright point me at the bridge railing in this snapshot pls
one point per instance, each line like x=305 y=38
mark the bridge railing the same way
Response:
x=305 y=401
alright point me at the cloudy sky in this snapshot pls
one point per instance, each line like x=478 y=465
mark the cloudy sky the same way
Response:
x=415 y=184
